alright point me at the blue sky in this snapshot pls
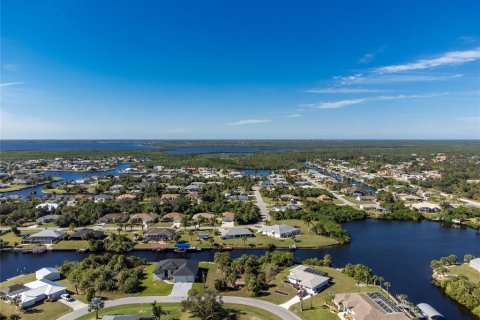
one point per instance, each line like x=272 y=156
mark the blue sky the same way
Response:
x=240 y=69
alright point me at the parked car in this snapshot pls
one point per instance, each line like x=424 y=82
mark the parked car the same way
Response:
x=67 y=297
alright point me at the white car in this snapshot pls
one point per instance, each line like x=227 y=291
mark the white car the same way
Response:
x=66 y=297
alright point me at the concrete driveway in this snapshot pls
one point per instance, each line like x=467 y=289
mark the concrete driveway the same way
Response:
x=180 y=289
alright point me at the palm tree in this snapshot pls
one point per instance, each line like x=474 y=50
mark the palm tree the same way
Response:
x=387 y=285
x=380 y=281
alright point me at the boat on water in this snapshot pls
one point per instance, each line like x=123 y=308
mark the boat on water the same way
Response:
x=35 y=250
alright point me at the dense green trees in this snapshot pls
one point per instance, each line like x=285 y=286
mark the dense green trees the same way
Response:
x=105 y=273
x=206 y=306
x=463 y=290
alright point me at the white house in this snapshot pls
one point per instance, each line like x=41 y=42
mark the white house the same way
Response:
x=39 y=290
x=48 y=205
x=279 y=231
x=312 y=280
x=475 y=264
x=47 y=273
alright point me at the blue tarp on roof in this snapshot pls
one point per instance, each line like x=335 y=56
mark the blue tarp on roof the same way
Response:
x=182 y=245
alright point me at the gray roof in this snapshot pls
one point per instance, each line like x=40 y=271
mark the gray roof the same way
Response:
x=181 y=267
x=49 y=233
x=279 y=229
x=236 y=232
x=14 y=289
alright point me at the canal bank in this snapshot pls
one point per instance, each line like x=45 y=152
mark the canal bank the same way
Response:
x=399 y=251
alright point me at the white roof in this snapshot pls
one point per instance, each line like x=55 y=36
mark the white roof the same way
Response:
x=42 y=286
x=46 y=271
x=278 y=229
x=307 y=279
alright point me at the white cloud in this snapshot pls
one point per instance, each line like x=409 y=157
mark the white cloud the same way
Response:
x=412 y=96
x=334 y=104
x=9 y=84
x=342 y=90
x=368 y=57
x=248 y=121
x=384 y=78
x=295 y=115
x=446 y=59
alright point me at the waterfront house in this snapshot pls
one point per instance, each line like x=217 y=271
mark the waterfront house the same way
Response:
x=179 y=270
x=33 y=292
x=475 y=264
x=47 y=219
x=279 y=231
x=86 y=233
x=426 y=207
x=235 y=233
x=47 y=236
x=362 y=306
x=309 y=279
x=159 y=234
x=51 y=274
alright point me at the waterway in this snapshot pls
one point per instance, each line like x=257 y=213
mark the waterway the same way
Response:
x=399 y=251
x=67 y=176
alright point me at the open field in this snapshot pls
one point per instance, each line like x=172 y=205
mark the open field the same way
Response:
x=276 y=284
x=43 y=311
x=465 y=269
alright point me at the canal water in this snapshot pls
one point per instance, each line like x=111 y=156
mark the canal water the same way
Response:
x=67 y=176
x=399 y=251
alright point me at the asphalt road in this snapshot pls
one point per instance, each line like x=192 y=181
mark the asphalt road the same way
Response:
x=261 y=205
x=273 y=308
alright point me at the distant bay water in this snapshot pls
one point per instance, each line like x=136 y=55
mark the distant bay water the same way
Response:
x=73 y=145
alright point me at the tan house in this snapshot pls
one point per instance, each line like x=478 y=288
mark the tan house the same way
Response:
x=173 y=216
x=367 y=306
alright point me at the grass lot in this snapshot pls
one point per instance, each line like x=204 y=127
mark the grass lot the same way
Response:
x=149 y=287
x=342 y=284
x=43 y=311
x=465 y=269
x=306 y=240
x=352 y=199
x=238 y=312
x=70 y=244
x=54 y=190
x=276 y=284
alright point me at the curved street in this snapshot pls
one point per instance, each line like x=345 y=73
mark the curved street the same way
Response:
x=267 y=306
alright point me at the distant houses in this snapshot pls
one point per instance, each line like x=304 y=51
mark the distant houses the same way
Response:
x=309 y=279
x=173 y=216
x=113 y=217
x=279 y=231
x=178 y=270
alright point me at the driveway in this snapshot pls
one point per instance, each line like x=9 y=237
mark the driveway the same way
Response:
x=293 y=301
x=180 y=289
x=75 y=304
x=282 y=313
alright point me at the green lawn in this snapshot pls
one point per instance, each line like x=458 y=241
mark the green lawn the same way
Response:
x=70 y=244
x=237 y=312
x=342 y=284
x=276 y=284
x=54 y=190
x=43 y=311
x=465 y=269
